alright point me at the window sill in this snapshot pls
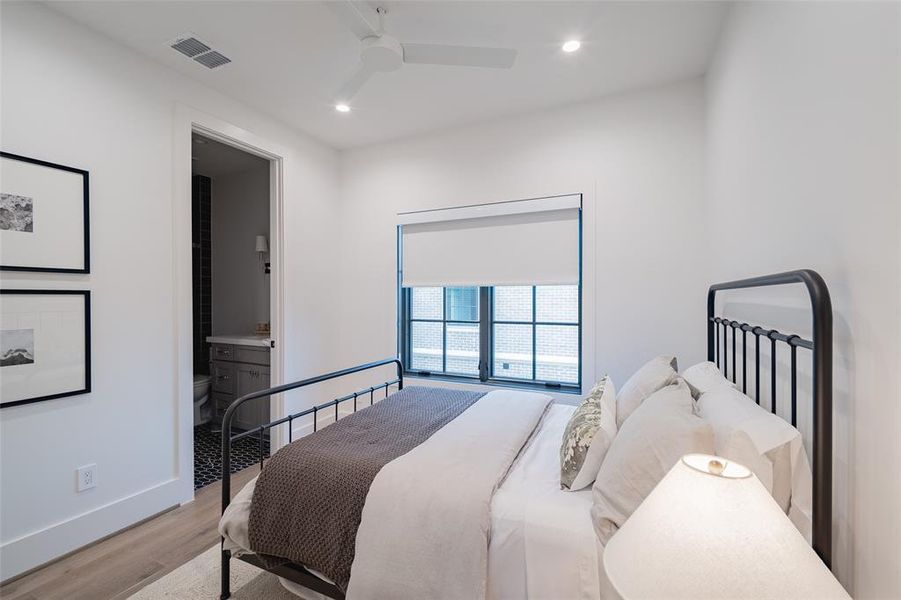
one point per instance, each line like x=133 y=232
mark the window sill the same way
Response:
x=496 y=383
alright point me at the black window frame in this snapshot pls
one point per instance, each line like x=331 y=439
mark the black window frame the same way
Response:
x=486 y=358
x=486 y=323
x=444 y=321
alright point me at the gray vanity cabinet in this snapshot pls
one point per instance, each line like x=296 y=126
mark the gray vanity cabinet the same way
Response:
x=251 y=378
x=238 y=371
x=223 y=375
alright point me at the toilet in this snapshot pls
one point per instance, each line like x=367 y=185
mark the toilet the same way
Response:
x=202 y=408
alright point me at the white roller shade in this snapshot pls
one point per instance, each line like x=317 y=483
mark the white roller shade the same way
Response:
x=532 y=242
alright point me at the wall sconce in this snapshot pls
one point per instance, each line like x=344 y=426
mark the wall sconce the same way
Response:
x=261 y=248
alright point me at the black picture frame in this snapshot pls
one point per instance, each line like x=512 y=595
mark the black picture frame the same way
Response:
x=86 y=294
x=86 y=267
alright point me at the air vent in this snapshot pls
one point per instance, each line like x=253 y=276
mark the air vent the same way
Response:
x=188 y=45
x=212 y=59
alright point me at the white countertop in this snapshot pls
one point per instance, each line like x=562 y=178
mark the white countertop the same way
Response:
x=240 y=339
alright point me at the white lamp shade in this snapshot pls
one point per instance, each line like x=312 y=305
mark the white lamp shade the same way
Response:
x=699 y=535
x=262 y=245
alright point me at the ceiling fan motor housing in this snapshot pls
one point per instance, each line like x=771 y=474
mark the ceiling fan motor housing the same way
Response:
x=382 y=53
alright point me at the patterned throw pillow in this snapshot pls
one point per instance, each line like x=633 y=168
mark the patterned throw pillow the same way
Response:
x=587 y=437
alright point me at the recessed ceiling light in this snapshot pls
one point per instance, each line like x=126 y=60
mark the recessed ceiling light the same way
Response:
x=572 y=45
x=342 y=108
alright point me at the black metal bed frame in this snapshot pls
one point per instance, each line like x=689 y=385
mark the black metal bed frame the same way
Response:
x=820 y=345
x=291 y=571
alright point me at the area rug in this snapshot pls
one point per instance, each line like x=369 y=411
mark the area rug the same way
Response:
x=199 y=579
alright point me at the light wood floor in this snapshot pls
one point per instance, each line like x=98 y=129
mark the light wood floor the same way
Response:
x=124 y=563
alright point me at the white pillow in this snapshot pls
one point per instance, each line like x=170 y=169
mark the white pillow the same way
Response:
x=660 y=431
x=655 y=374
x=587 y=437
x=765 y=443
x=703 y=377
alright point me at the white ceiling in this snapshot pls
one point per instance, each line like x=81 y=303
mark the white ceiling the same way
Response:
x=214 y=159
x=290 y=58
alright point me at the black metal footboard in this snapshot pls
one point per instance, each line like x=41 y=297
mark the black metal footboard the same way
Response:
x=295 y=572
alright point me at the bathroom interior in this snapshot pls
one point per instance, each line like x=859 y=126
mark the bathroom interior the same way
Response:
x=231 y=291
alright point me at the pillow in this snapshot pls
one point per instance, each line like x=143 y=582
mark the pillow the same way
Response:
x=655 y=374
x=660 y=431
x=765 y=443
x=703 y=377
x=587 y=437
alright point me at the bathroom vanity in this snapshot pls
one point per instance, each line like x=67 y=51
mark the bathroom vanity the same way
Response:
x=239 y=365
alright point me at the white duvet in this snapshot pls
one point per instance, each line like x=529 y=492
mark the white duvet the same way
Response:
x=541 y=541
x=427 y=518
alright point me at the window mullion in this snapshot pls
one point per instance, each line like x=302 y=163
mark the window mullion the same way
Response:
x=407 y=326
x=484 y=332
x=534 y=332
x=444 y=330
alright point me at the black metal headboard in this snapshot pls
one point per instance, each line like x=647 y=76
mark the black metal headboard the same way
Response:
x=820 y=346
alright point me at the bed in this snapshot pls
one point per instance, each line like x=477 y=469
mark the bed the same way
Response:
x=530 y=516
x=511 y=532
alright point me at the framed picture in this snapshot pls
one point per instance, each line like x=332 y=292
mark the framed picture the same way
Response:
x=43 y=216
x=45 y=345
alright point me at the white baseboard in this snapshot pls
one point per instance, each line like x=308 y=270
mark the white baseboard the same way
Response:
x=35 y=549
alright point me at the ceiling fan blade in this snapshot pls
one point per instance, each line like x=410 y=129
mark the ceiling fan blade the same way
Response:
x=355 y=16
x=459 y=56
x=353 y=85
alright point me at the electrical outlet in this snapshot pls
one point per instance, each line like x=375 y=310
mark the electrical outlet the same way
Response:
x=87 y=477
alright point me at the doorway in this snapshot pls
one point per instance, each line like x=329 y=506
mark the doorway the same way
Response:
x=230 y=273
x=249 y=362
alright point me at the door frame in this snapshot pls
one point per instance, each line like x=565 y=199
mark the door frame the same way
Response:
x=189 y=121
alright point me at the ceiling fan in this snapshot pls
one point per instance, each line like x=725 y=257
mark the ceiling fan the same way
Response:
x=382 y=53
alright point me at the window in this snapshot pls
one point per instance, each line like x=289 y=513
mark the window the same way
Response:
x=503 y=334
x=444 y=330
x=463 y=312
x=536 y=333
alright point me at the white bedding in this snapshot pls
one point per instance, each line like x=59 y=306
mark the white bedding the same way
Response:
x=426 y=522
x=542 y=543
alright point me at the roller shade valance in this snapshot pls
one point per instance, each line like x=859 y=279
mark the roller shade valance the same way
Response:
x=530 y=242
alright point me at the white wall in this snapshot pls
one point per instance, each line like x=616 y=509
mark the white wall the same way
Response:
x=800 y=137
x=637 y=158
x=804 y=164
x=239 y=213
x=72 y=97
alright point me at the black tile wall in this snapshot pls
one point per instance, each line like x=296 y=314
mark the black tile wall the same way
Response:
x=201 y=263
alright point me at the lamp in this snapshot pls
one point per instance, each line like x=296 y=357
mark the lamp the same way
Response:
x=710 y=529
x=262 y=247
